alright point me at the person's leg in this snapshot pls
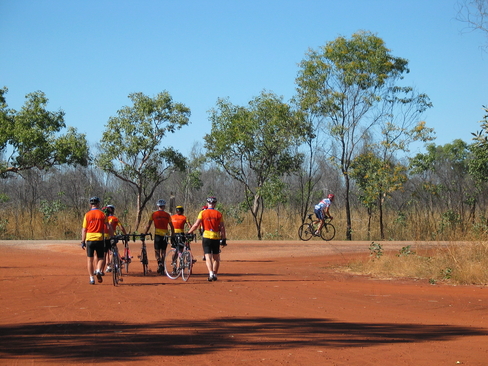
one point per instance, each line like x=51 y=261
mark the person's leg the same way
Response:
x=100 y=262
x=89 y=265
x=157 y=248
x=216 y=263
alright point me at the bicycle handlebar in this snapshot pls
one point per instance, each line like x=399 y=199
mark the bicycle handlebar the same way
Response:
x=141 y=236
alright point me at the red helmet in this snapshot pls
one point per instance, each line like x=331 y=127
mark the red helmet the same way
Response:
x=330 y=196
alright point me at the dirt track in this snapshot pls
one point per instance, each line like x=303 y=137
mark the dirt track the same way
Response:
x=275 y=303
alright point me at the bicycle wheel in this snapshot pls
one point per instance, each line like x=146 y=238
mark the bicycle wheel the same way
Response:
x=171 y=267
x=328 y=232
x=305 y=232
x=126 y=259
x=144 y=261
x=115 y=268
x=186 y=264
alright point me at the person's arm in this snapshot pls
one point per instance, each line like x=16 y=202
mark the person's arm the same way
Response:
x=122 y=228
x=109 y=229
x=172 y=228
x=195 y=226
x=327 y=213
x=83 y=235
x=222 y=230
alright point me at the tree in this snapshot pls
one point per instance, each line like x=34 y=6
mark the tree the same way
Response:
x=255 y=145
x=376 y=178
x=130 y=145
x=350 y=85
x=30 y=138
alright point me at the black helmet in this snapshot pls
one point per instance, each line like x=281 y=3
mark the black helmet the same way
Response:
x=94 y=200
x=212 y=199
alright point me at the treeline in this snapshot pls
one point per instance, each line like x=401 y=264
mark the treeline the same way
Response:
x=347 y=131
x=440 y=200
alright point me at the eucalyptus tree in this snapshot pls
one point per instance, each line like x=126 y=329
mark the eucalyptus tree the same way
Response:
x=377 y=179
x=30 y=138
x=256 y=145
x=131 y=146
x=349 y=85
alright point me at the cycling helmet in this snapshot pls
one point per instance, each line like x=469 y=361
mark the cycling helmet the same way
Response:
x=330 y=196
x=179 y=209
x=204 y=207
x=211 y=199
x=161 y=203
x=110 y=208
x=94 y=200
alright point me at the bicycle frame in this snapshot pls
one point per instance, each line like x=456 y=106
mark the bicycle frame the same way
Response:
x=143 y=256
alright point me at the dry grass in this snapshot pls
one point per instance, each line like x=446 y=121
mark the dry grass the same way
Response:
x=455 y=263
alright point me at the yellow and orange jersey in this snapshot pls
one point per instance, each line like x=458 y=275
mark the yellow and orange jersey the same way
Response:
x=211 y=220
x=179 y=222
x=161 y=221
x=95 y=224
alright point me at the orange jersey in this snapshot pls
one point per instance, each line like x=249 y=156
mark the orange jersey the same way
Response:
x=114 y=222
x=94 y=223
x=161 y=221
x=211 y=220
x=179 y=222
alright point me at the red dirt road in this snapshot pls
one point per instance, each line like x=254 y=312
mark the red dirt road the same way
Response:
x=274 y=304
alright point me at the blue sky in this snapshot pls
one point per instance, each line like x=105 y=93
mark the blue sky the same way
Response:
x=88 y=56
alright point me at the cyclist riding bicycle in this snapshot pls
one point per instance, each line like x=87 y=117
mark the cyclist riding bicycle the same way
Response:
x=162 y=220
x=322 y=211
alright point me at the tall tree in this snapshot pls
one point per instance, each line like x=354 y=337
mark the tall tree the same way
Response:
x=256 y=145
x=131 y=150
x=349 y=85
x=30 y=138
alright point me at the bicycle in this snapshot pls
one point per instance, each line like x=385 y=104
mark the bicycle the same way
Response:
x=307 y=230
x=143 y=257
x=127 y=258
x=116 y=261
x=179 y=260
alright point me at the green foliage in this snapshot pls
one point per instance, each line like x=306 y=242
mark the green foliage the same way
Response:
x=50 y=209
x=31 y=137
x=404 y=251
x=130 y=146
x=376 y=177
x=256 y=145
x=375 y=250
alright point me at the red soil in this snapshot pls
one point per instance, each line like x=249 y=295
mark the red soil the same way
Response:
x=275 y=303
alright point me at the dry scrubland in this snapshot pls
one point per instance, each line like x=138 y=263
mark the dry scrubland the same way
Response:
x=450 y=262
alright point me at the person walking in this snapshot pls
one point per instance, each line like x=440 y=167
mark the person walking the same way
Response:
x=180 y=221
x=162 y=220
x=95 y=225
x=213 y=236
x=113 y=221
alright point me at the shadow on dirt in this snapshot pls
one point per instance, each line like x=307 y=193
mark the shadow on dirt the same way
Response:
x=115 y=341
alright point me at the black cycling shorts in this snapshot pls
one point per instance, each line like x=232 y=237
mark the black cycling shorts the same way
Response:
x=160 y=242
x=95 y=246
x=211 y=246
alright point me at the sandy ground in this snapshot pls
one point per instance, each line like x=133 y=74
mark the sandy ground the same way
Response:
x=275 y=303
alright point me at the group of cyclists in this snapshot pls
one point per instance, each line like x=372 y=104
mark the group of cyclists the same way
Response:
x=100 y=225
